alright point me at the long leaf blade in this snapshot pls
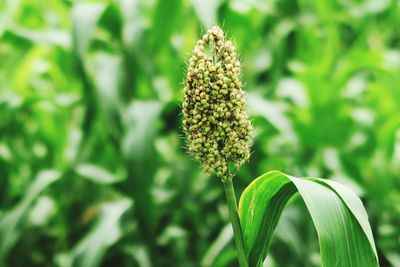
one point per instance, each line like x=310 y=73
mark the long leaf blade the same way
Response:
x=338 y=216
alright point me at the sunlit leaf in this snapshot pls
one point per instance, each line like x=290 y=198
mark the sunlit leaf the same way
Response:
x=47 y=37
x=133 y=21
x=140 y=119
x=12 y=223
x=224 y=237
x=107 y=75
x=140 y=254
x=92 y=248
x=206 y=11
x=85 y=17
x=273 y=112
x=338 y=215
x=96 y=174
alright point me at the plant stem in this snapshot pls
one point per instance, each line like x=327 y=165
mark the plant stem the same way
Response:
x=234 y=217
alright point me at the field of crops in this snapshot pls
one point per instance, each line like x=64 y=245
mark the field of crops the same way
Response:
x=93 y=164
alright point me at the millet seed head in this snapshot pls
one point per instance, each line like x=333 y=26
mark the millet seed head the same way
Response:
x=216 y=123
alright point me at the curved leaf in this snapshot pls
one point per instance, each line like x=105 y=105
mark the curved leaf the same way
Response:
x=85 y=17
x=13 y=222
x=339 y=217
x=107 y=231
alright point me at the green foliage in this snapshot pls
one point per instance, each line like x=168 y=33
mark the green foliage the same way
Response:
x=340 y=219
x=89 y=98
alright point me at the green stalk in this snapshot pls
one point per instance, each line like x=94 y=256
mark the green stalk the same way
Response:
x=234 y=217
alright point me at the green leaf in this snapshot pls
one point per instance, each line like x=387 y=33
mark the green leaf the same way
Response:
x=96 y=174
x=339 y=217
x=107 y=78
x=45 y=37
x=274 y=113
x=163 y=16
x=215 y=249
x=107 y=231
x=140 y=122
x=133 y=21
x=85 y=17
x=206 y=11
x=13 y=222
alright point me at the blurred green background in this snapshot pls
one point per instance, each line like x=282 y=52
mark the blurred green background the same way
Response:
x=93 y=170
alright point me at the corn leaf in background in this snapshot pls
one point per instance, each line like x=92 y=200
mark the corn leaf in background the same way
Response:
x=85 y=17
x=93 y=247
x=13 y=222
x=138 y=148
x=339 y=217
